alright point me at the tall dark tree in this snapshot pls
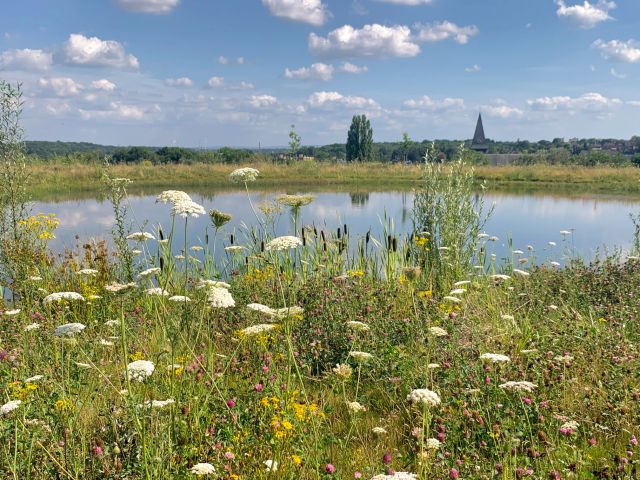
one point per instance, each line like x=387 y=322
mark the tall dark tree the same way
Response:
x=360 y=140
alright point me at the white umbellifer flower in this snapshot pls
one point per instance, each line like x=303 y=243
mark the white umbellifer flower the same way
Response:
x=32 y=326
x=359 y=326
x=495 y=357
x=283 y=243
x=136 y=251
x=202 y=283
x=257 y=329
x=220 y=297
x=260 y=308
x=9 y=407
x=356 y=407
x=286 y=312
x=444 y=249
x=438 y=332
x=432 y=444
x=140 y=370
x=396 y=476
x=563 y=358
x=172 y=196
x=552 y=244
x=555 y=264
x=11 y=313
x=68 y=329
x=507 y=317
x=188 y=208
x=59 y=296
x=112 y=323
x=522 y=386
x=203 y=469
x=343 y=370
x=457 y=291
x=552 y=307
x=234 y=248
x=157 y=291
x=159 y=403
x=244 y=175
x=433 y=366
x=116 y=287
x=449 y=298
x=461 y=283
x=34 y=379
x=379 y=430
x=106 y=343
x=522 y=273
x=149 y=271
x=565 y=232
x=360 y=356
x=35 y=278
x=483 y=235
x=529 y=350
x=493 y=239
x=500 y=276
x=179 y=257
x=424 y=396
x=82 y=365
x=271 y=465
x=196 y=248
x=518 y=252
x=89 y=272
x=295 y=201
x=179 y=298
x=140 y=236
x=571 y=424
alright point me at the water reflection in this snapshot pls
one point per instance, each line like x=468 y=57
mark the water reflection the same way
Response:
x=528 y=219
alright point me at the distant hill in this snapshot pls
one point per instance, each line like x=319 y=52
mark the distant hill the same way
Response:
x=46 y=150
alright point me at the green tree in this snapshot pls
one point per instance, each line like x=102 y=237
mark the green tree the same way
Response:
x=294 y=141
x=360 y=140
x=406 y=145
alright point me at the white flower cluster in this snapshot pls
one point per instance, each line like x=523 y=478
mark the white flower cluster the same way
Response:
x=396 y=476
x=257 y=329
x=149 y=271
x=283 y=243
x=140 y=370
x=179 y=298
x=220 y=297
x=244 y=175
x=358 y=326
x=188 y=208
x=276 y=313
x=343 y=370
x=68 y=329
x=202 y=283
x=495 y=357
x=438 y=332
x=522 y=386
x=59 y=296
x=432 y=444
x=203 y=469
x=424 y=396
x=172 y=196
x=159 y=403
x=140 y=236
x=356 y=407
x=360 y=356
x=295 y=201
x=157 y=291
x=9 y=407
x=88 y=272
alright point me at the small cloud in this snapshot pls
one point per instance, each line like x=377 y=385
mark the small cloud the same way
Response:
x=348 y=67
x=103 y=84
x=215 y=82
x=592 y=68
x=94 y=52
x=26 y=60
x=619 y=50
x=616 y=74
x=313 y=12
x=439 y=31
x=61 y=86
x=222 y=60
x=317 y=71
x=262 y=101
x=586 y=15
x=240 y=60
x=183 y=82
x=148 y=6
x=475 y=68
x=502 y=111
x=358 y=8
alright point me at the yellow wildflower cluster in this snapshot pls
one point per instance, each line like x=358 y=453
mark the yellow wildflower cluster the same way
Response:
x=64 y=405
x=284 y=414
x=258 y=276
x=355 y=273
x=41 y=225
x=422 y=242
x=21 y=391
x=136 y=356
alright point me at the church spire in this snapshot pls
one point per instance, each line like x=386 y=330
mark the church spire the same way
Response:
x=479 y=141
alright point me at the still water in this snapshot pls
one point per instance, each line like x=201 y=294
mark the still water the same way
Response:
x=596 y=222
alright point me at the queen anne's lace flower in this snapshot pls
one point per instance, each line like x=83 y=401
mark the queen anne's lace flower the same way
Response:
x=283 y=243
x=424 y=396
x=116 y=287
x=88 y=272
x=159 y=403
x=343 y=370
x=68 y=329
x=438 y=332
x=495 y=357
x=11 y=313
x=149 y=271
x=244 y=175
x=257 y=329
x=396 y=476
x=521 y=386
x=356 y=407
x=34 y=379
x=358 y=326
x=9 y=407
x=179 y=298
x=360 y=356
x=188 y=208
x=140 y=370
x=31 y=326
x=172 y=196
x=59 y=296
x=234 y=248
x=379 y=430
x=522 y=273
x=202 y=283
x=432 y=444
x=220 y=297
x=203 y=469
x=140 y=236
x=295 y=201
x=157 y=291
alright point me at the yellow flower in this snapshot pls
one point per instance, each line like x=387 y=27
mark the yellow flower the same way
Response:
x=136 y=356
x=297 y=459
x=64 y=405
x=425 y=294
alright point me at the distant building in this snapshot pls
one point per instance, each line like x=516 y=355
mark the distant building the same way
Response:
x=479 y=142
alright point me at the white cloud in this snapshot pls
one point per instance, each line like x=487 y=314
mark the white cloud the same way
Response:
x=317 y=71
x=587 y=15
x=94 y=52
x=61 y=86
x=103 y=84
x=619 y=50
x=313 y=12
x=634 y=103
x=370 y=41
x=121 y=111
x=616 y=74
x=25 y=59
x=427 y=103
x=262 y=101
x=351 y=68
x=148 y=6
x=243 y=86
x=439 y=31
x=502 y=111
x=587 y=102
x=216 y=82
x=408 y=2
x=222 y=60
x=179 y=82
x=473 y=69
x=240 y=60
x=328 y=99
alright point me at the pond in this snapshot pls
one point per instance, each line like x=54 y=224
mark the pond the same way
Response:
x=597 y=223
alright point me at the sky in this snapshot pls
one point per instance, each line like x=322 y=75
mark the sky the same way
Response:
x=209 y=73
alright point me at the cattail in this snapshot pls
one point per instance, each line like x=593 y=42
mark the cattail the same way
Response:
x=345 y=229
x=388 y=242
x=262 y=246
x=315 y=231
x=304 y=239
x=160 y=234
x=161 y=264
x=394 y=244
x=408 y=254
x=338 y=232
x=368 y=237
x=206 y=236
x=231 y=238
x=246 y=261
x=322 y=236
x=324 y=246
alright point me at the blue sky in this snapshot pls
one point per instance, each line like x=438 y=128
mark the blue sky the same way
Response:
x=240 y=72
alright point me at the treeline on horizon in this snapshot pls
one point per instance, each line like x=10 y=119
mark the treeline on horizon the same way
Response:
x=613 y=152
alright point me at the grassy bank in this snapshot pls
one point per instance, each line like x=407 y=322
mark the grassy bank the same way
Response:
x=75 y=179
